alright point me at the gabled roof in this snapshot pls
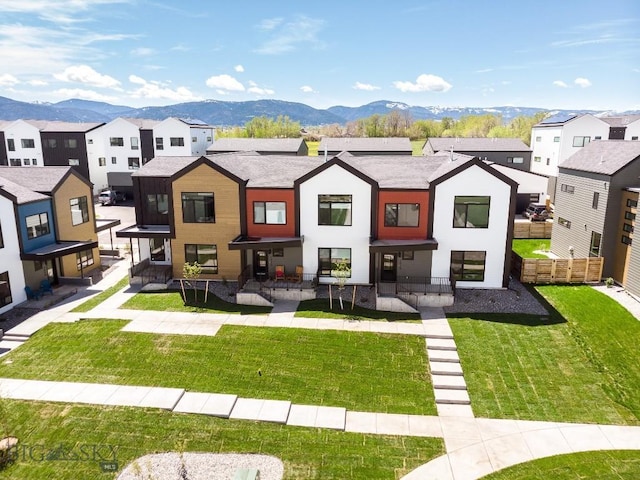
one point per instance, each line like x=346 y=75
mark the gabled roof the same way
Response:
x=358 y=144
x=47 y=126
x=604 y=156
x=562 y=119
x=38 y=179
x=336 y=161
x=194 y=122
x=141 y=123
x=164 y=166
x=621 y=121
x=19 y=193
x=476 y=144
x=277 y=145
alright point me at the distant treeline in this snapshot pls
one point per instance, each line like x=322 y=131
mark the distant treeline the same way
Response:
x=393 y=124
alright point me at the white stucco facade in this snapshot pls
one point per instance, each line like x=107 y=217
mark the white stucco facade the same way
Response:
x=335 y=180
x=10 y=255
x=551 y=145
x=20 y=135
x=473 y=181
x=177 y=129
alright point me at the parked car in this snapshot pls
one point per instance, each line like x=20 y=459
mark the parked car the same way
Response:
x=111 y=197
x=537 y=212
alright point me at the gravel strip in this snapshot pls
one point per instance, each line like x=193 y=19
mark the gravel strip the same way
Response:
x=515 y=299
x=200 y=466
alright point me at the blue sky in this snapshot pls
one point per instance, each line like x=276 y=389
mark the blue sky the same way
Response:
x=581 y=54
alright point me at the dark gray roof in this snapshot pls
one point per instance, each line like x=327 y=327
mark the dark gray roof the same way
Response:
x=22 y=194
x=38 y=179
x=476 y=144
x=277 y=145
x=604 y=156
x=47 y=126
x=358 y=144
x=621 y=121
x=164 y=166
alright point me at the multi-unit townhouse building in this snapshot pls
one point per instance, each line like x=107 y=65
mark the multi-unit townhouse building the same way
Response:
x=48 y=228
x=332 y=146
x=386 y=218
x=512 y=152
x=263 y=146
x=595 y=207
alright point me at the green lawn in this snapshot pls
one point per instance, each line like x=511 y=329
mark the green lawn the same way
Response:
x=319 y=308
x=306 y=452
x=313 y=148
x=416 y=146
x=102 y=296
x=599 y=465
x=171 y=301
x=526 y=247
x=356 y=370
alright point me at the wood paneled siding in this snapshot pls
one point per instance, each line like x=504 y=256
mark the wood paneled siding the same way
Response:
x=73 y=187
x=227 y=226
x=271 y=195
x=420 y=197
x=633 y=272
x=625 y=271
x=143 y=186
x=62 y=152
x=4 y=160
x=146 y=145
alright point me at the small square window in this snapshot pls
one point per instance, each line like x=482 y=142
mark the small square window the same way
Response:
x=278 y=252
x=407 y=255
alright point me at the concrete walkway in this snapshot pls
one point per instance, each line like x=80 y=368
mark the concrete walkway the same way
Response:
x=620 y=295
x=475 y=446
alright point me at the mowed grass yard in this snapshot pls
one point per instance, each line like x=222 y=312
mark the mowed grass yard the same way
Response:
x=307 y=453
x=526 y=247
x=356 y=370
x=584 y=369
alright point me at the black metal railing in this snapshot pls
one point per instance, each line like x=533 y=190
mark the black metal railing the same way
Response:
x=416 y=286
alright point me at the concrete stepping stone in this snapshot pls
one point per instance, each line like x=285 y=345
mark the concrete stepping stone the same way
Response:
x=454 y=410
x=445 y=368
x=424 y=426
x=162 y=397
x=25 y=389
x=452 y=382
x=317 y=416
x=261 y=410
x=360 y=422
x=96 y=393
x=392 y=424
x=451 y=396
x=127 y=396
x=65 y=391
x=443 y=356
x=214 y=404
x=437 y=331
x=441 y=344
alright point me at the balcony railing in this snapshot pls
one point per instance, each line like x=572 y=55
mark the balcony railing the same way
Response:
x=416 y=286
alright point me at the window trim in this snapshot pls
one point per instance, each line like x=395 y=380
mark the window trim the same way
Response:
x=83 y=208
x=331 y=258
x=156 y=203
x=176 y=141
x=465 y=220
x=627 y=227
x=461 y=277
x=266 y=221
x=88 y=260
x=116 y=141
x=414 y=205
x=566 y=188
x=593 y=250
x=595 y=200
x=159 y=143
x=631 y=203
x=629 y=216
x=3 y=299
x=564 y=222
x=195 y=198
x=28 y=143
x=627 y=240
x=520 y=160
x=205 y=269
x=31 y=231
x=133 y=163
x=581 y=141
x=333 y=199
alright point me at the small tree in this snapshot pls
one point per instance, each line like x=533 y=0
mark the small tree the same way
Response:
x=341 y=272
x=191 y=272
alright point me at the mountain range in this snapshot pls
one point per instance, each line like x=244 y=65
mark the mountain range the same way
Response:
x=220 y=113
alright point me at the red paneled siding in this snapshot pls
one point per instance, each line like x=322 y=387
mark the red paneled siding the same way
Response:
x=271 y=195
x=403 y=233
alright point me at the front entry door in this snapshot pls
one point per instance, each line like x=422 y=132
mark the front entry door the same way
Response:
x=261 y=265
x=389 y=267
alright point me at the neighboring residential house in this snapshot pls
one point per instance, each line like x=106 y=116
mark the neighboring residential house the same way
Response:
x=626 y=127
x=180 y=137
x=532 y=187
x=57 y=230
x=263 y=146
x=23 y=147
x=4 y=160
x=589 y=198
x=332 y=146
x=11 y=272
x=512 y=152
x=627 y=257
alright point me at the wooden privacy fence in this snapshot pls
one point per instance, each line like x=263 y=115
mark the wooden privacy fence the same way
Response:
x=532 y=229
x=560 y=270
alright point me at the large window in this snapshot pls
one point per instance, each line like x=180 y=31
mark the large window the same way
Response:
x=70 y=143
x=51 y=143
x=159 y=143
x=581 y=141
x=28 y=143
x=272 y=213
x=79 y=210
x=134 y=143
x=84 y=259
x=205 y=255
x=116 y=141
x=11 y=145
x=471 y=212
x=134 y=163
x=401 y=214
x=5 y=289
x=468 y=266
x=15 y=162
x=158 y=203
x=37 y=225
x=156 y=248
x=198 y=208
x=334 y=210
x=329 y=258
x=594 y=249
x=176 y=141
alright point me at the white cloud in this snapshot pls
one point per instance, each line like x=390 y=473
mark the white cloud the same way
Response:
x=87 y=75
x=560 y=83
x=142 y=52
x=365 y=86
x=85 y=94
x=239 y=68
x=180 y=48
x=582 y=82
x=37 y=83
x=8 y=80
x=307 y=89
x=424 y=83
x=158 y=90
x=225 y=82
x=289 y=36
x=260 y=91
x=270 y=23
